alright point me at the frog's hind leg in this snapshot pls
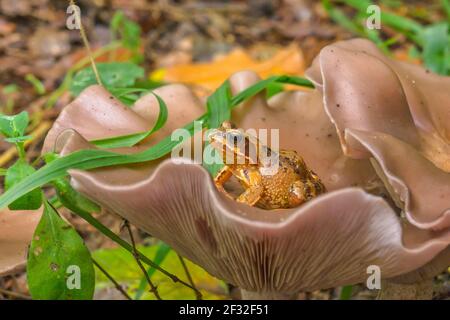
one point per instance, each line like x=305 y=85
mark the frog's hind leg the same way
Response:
x=251 y=196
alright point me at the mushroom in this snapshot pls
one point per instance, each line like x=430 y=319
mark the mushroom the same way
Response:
x=16 y=232
x=372 y=130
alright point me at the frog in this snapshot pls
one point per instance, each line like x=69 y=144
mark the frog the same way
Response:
x=290 y=185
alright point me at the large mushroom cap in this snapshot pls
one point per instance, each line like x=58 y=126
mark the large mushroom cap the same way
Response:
x=330 y=240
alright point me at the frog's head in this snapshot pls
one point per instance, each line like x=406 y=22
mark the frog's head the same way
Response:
x=234 y=145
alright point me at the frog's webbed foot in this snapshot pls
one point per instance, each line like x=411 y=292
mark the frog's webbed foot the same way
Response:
x=251 y=196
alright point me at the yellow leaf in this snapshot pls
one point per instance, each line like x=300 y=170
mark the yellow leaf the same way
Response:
x=211 y=75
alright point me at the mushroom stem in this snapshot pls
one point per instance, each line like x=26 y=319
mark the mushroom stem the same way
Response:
x=399 y=291
x=254 y=295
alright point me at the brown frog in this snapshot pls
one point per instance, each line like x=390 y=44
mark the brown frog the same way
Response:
x=289 y=185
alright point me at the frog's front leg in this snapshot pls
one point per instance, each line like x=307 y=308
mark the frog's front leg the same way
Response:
x=251 y=179
x=251 y=196
x=223 y=176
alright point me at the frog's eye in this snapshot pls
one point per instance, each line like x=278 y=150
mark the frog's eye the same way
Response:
x=234 y=138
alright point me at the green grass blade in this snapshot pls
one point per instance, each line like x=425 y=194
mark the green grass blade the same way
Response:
x=161 y=254
x=133 y=139
x=339 y=17
x=92 y=158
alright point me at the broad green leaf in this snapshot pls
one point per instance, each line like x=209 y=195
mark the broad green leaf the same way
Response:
x=18 y=139
x=122 y=267
x=436 y=48
x=59 y=264
x=112 y=75
x=16 y=173
x=14 y=126
x=91 y=159
x=132 y=139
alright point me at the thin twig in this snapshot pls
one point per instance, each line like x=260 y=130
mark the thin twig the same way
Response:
x=124 y=244
x=153 y=288
x=198 y=294
x=14 y=294
x=116 y=284
x=88 y=47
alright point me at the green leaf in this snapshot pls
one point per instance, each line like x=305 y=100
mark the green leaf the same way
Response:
x=346 y=293
x=16 y=173
x=18 y=139
x=132 y=139
x=59 y=264
x=112 y=75
x=129 y=31
x=436 y=48
x=123 y=268
x=161 y=253
x=91 y=159
x=14 y=126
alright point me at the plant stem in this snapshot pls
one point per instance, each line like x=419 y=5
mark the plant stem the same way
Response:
x=21 y=150
x=88 y=47
x=153 y=288
x=111 y=235
x=188 y=275
x=116 y=284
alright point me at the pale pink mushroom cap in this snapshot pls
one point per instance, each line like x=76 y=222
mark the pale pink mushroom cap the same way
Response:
x=332 y=239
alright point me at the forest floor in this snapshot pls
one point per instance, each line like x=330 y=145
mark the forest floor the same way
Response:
x=37 y=50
